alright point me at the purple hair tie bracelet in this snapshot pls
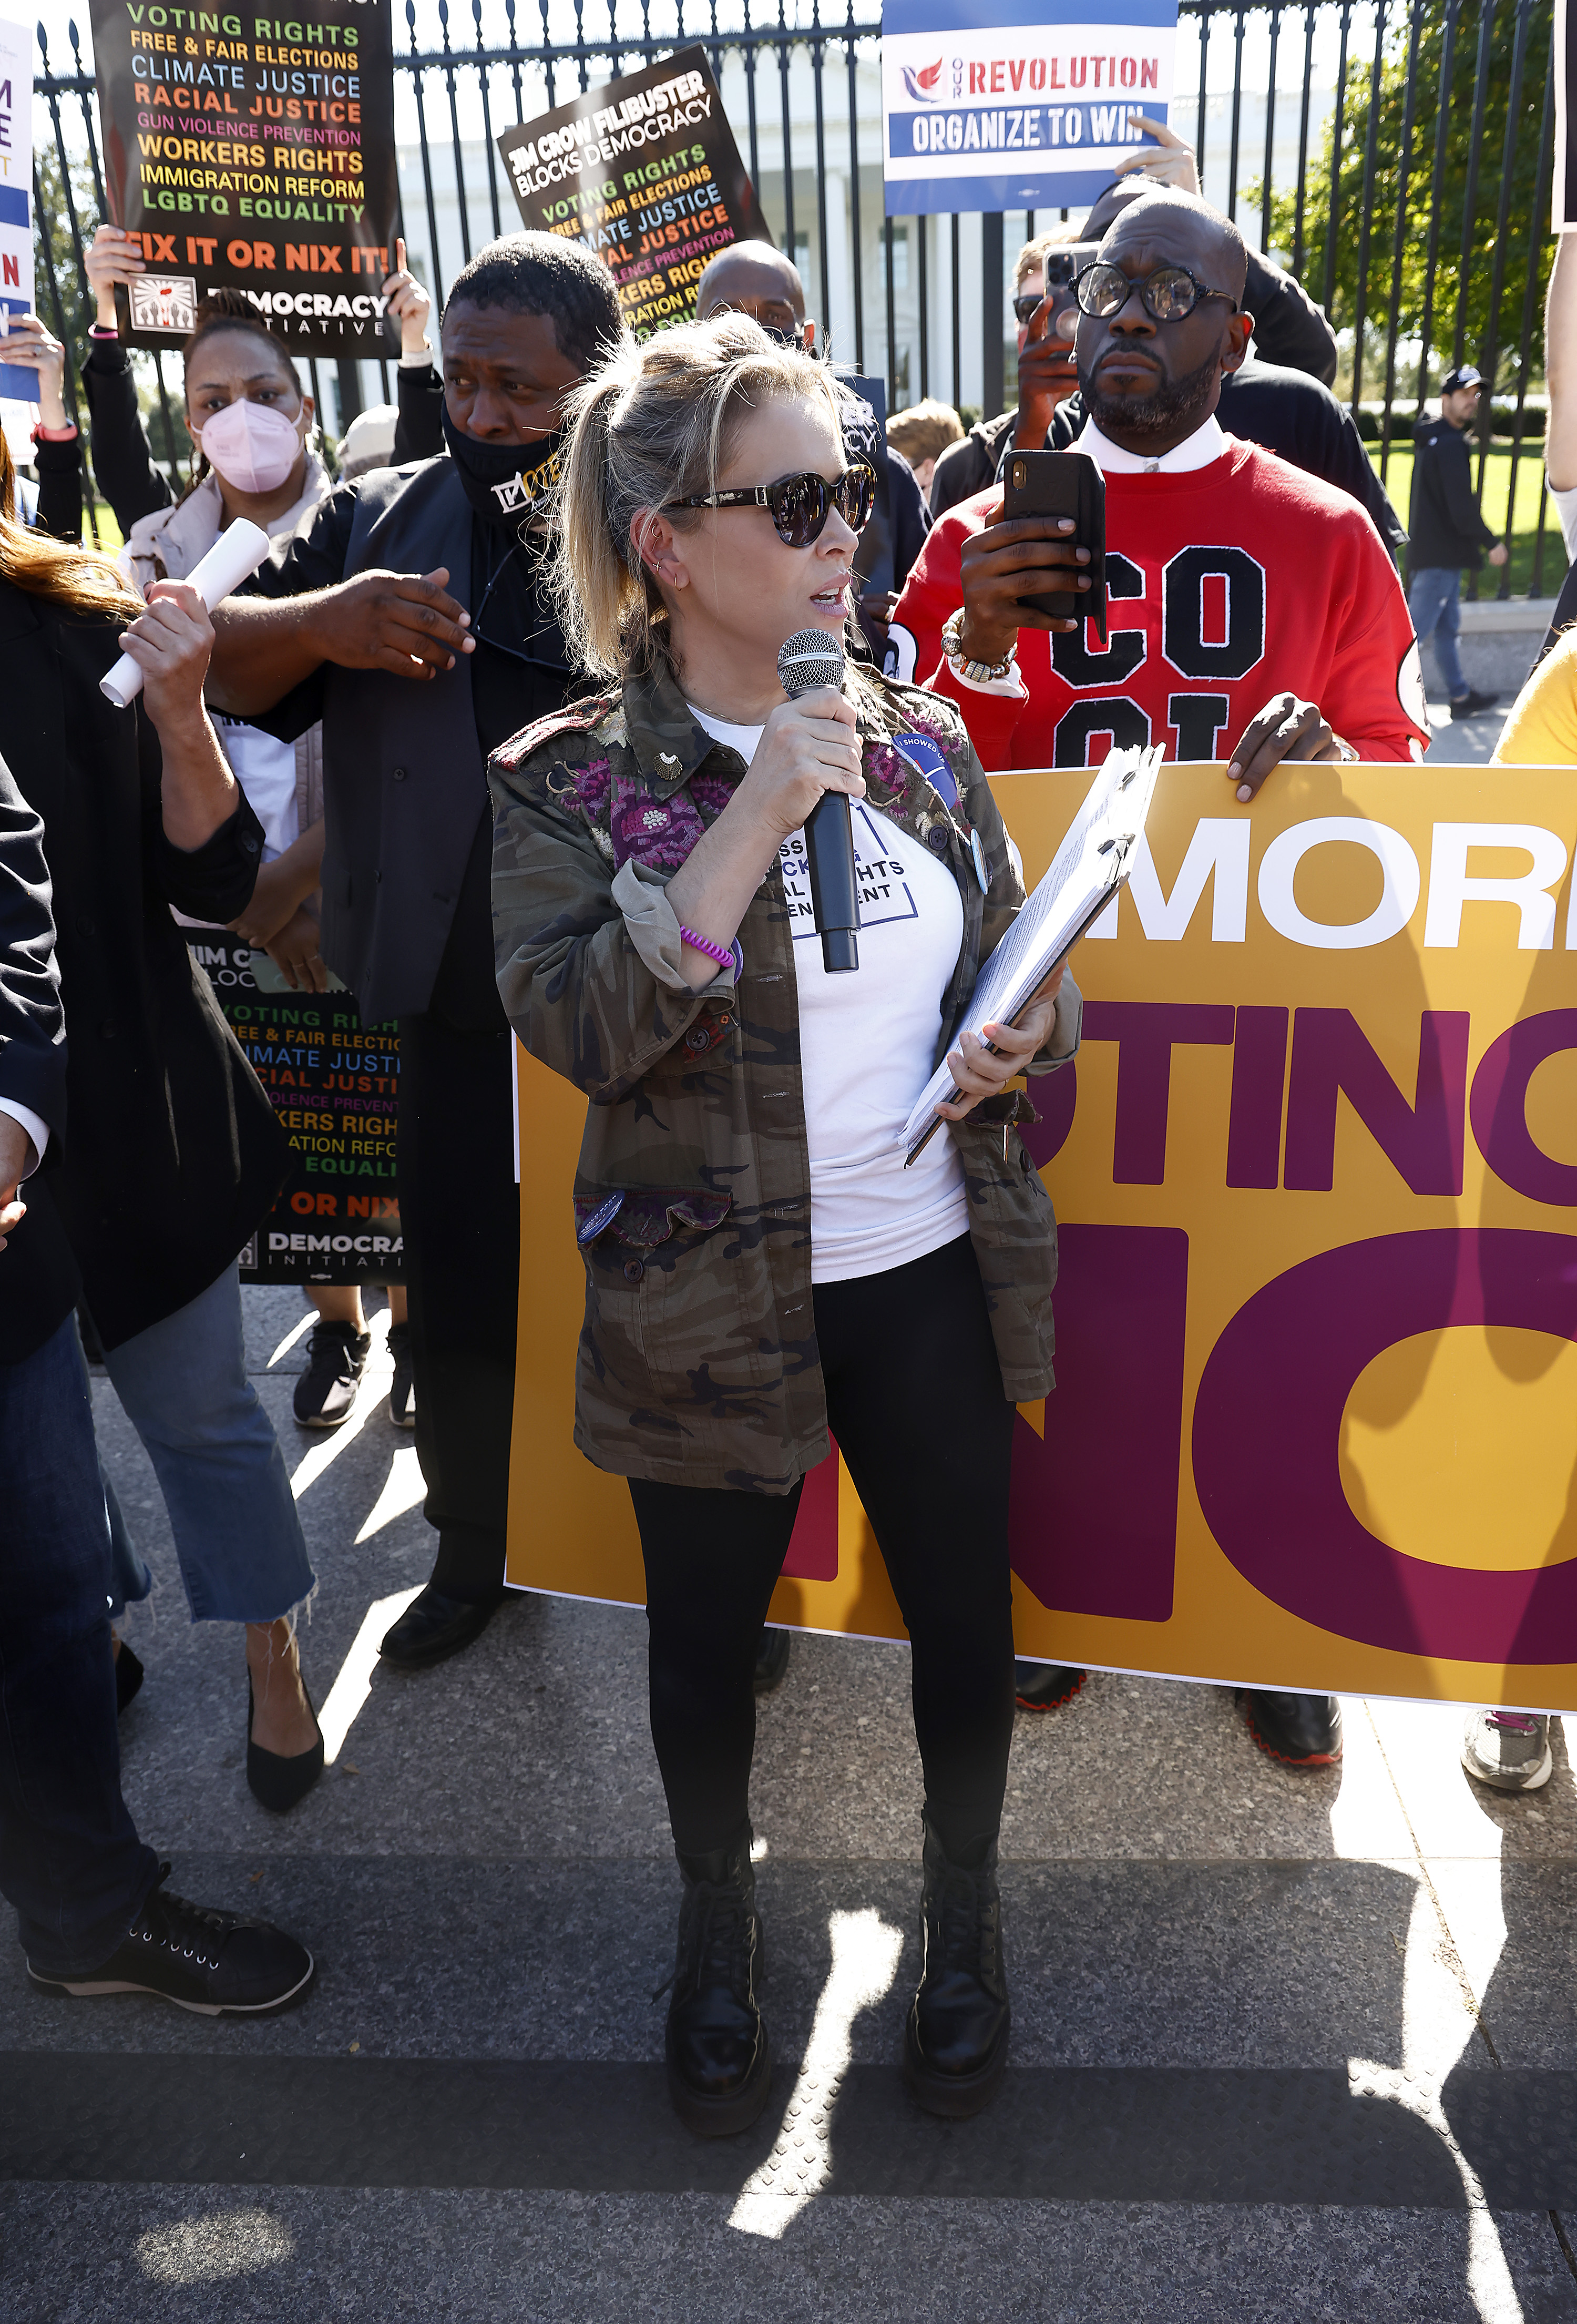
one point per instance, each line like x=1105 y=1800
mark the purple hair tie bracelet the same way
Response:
x=725 y=956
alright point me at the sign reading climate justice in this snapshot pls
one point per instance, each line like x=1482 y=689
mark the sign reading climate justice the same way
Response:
x=1316 y=1167
x=994 y=105
x=644 y=170
x=256 y=152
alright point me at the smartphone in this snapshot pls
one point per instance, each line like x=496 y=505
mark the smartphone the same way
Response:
x=1064 y=483
x=1062 y=267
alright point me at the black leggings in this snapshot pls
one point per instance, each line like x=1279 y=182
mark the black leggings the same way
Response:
x=915 y=1399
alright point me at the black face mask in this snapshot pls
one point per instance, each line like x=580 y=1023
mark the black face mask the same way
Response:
x=507 y=484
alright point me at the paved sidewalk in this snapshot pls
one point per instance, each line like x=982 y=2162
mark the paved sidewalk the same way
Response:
x=1286 y=2047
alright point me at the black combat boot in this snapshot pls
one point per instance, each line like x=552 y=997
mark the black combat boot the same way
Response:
x=718 y=2058
x=955 y=2039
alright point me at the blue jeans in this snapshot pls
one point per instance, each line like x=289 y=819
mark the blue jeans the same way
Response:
x=184 y=1387
x=71 y=1861
x=1433 y=602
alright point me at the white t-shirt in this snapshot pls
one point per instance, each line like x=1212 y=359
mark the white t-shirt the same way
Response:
x=867 y=1045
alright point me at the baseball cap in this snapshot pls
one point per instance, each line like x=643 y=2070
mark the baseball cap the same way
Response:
x=369 y=441
x=1464 y=375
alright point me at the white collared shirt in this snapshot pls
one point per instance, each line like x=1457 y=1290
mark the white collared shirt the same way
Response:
x=1206 y=444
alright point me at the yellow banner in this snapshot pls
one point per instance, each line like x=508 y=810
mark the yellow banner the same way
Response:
x=1316 y=1173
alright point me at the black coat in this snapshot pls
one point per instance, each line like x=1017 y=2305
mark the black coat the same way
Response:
x=1446 y=531
x=171 y=1153
x=39 y=1283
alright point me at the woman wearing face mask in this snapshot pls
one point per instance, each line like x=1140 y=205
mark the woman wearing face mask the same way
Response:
x=251 y=426
x=761 y=1264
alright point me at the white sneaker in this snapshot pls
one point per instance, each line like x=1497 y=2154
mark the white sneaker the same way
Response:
x=1507 y=1749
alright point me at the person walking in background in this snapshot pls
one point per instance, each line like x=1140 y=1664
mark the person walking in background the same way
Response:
x=173 y=1153
x=922 y=434
x=761 y=1266
x=1447 y=533
x=407 y=615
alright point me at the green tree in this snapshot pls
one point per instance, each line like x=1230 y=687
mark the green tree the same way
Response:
x=1475 y=183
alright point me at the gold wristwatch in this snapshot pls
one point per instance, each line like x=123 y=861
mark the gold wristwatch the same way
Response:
x=977 y=673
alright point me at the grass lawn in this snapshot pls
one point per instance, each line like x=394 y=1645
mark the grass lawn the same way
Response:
x=1524 y=529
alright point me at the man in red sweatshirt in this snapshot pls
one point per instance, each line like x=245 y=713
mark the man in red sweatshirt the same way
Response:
x=1253 y=612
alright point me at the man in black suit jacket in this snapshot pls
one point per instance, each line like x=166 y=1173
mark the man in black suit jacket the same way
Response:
x=94 y=1914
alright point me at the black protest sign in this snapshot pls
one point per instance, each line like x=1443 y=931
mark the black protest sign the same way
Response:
x=1564 y=204
x=644 y=170
x=256 y=152
x=335 y=1087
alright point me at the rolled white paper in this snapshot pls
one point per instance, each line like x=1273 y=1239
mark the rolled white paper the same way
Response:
x=239 y=550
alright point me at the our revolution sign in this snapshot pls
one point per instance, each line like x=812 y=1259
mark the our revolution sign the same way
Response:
x=252 y=151
x=1316 y=1170
x=16 y=47
x=644 y=170
x=995 y=104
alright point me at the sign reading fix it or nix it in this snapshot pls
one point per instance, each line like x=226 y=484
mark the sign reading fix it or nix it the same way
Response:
x=1316 y=1421
x=1000 y=105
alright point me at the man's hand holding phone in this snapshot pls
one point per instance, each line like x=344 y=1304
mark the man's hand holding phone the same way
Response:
x=1046 y=374
x=1014 y=558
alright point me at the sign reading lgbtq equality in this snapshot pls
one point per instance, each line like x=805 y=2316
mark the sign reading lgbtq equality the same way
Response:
x=256 y=151
x=644 y=170
x=333 y=1085
x=1001 y=104
x=1317 y=1167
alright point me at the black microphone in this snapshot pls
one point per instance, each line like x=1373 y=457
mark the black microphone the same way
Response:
x=809 y=659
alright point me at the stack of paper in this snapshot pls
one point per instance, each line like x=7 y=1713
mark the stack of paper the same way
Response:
x=1084 y=874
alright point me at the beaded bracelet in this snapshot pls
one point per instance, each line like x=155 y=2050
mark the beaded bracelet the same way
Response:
x=721 y=954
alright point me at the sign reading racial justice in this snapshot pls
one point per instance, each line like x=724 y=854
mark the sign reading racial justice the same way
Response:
x=644 y=170
x=253 y=151
x=1315 y=1166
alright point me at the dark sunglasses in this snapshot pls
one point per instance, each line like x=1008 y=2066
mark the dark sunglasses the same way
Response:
x=1168 y=294
x=800 y=505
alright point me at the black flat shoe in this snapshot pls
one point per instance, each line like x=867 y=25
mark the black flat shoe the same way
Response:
x=1045 y=1686
x=275 y=1780
x=719 y=2058
x=1297 y=1731
x=128 y=1678
x=955 y=2036
x=435 y=1626
x=771 y=1660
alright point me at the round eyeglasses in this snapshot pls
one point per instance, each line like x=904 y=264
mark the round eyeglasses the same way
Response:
x=800 y=505
x=1168 y=294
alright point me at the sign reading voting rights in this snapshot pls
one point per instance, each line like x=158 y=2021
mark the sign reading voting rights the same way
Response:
x=1003 y=105
x=1315 y=1166
x=16 y=48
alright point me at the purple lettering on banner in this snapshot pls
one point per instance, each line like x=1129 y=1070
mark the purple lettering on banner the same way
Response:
x=1054 y=1097
x=1145 y=1032
x=1268 y=1430
x=1259 y=1074
x=1092 y=1525
x=1424 y=1140
x=813 y=1545
x=1500 y=1101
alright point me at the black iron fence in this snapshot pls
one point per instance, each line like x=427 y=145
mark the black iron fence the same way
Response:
x=1395 y=157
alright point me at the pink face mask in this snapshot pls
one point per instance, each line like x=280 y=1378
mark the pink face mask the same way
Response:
x=252 y=445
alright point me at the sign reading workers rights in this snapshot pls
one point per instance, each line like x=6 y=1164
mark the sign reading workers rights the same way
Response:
x=1316 y=1170
x=644 y=170
x=254 y=151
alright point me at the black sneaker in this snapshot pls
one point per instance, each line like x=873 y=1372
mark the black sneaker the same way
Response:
x=325 y=1393
x=1471 y=703
x=403 y=1394
x=1298 y=1730
x=214 y=1962
x=1045 y=1686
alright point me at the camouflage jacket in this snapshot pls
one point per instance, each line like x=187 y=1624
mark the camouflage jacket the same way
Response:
x=697 y=1361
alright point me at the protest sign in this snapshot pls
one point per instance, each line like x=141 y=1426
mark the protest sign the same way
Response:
x=18 y=382
x=335 y=1086
x=1316 y=1172
x=1021 y=105
x=256 y=152
x=1563 y=195
x=644 y=170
